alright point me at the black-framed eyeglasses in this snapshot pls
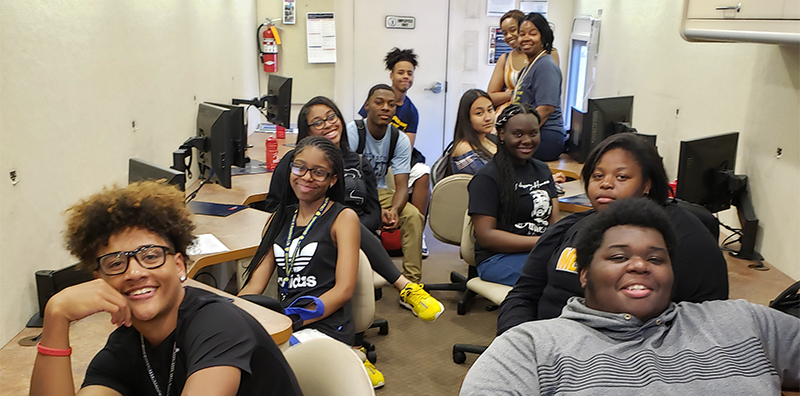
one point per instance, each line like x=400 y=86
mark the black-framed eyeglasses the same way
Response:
x=317 y=174
x=149 y=257
x=318 y=124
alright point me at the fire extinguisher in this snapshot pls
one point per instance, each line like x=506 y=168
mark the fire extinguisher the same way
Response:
x=269 y=46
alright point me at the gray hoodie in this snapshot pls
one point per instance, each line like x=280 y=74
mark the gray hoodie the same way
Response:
x=716 y=347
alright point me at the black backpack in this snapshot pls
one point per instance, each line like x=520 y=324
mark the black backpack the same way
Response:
x=362 y=140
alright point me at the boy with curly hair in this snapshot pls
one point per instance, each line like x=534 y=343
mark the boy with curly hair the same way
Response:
x=172 y=339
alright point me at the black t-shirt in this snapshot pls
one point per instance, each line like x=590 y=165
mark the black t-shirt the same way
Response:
x=211 y=332
x=314 y=270
x=549 y=277
x=535 y=190
x=363 y=199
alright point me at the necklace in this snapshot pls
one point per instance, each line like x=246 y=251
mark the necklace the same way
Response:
x=289 y=261
x=521 y=78
x=150 y=369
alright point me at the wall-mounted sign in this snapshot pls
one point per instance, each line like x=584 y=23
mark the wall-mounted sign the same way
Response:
x=400 y=22
x=497 y=46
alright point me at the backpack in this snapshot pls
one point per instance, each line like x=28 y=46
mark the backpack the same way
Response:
x=362 y=140
x=442 y=167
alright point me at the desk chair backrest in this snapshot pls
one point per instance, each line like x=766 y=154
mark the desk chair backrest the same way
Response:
x=449 y=201
x=327 y=367
x=468 y=240
x=363 y=300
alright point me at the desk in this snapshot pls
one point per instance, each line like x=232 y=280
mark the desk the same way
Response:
x=566 y=165
x=89 y=335
x=571 y=189
x=245 y=189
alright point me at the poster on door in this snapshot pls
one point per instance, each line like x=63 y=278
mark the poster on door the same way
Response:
x=497 y=46
x=499 y=7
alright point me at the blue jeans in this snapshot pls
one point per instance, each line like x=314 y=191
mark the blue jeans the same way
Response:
x=502 y=268
x=550 y=146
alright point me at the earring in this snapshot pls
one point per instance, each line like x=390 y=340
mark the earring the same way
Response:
x=183 y=278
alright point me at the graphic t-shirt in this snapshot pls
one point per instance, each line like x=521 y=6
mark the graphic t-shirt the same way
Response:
x=535 y=190
x=313 y=271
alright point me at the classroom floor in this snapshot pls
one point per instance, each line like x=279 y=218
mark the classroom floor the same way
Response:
x=416 y=357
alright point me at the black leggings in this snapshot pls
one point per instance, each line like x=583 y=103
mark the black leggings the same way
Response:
x=378 y=258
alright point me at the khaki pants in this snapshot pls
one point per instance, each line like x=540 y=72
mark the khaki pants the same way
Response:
x=411 y=225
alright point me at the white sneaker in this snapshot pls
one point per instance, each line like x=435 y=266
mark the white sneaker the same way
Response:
x=424 y=247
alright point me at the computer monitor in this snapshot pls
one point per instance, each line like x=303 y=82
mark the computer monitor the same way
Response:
x=706 y=177
x=279 y=92
x=217 y=128
x=50 y=282
x=142 y=170
x=604 y=117
x=704 y=168
x=238 y=133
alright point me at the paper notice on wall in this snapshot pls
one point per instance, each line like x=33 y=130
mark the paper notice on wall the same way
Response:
x=528 y=6
x=499 y=7
x=321 y=37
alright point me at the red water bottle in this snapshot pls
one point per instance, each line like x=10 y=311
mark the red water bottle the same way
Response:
x=280 y=132
x=272 y=153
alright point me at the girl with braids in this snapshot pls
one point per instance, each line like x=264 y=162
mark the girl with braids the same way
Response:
x=314 y=245
x=513 y=199
x=321 y=117
x=473 y=142
x=539 y=84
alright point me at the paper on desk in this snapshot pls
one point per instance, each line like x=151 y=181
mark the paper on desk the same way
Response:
x=206 y=244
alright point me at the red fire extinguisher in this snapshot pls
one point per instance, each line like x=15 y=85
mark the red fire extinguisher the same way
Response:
x=269 y=47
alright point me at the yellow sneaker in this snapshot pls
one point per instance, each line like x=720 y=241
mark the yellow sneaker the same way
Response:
x=374 y=375
x=415 y=298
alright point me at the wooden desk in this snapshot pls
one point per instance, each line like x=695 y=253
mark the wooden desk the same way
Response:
x=572 y=188
x=89 y=335
x=566 y=165
x=245 y=189
x=240 y=232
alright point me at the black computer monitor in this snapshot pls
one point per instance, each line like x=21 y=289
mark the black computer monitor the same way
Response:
x=279 y=93
x=142 y=170
x=238 y=133
x=50 y=282
x=604 y=117
x=704 y=171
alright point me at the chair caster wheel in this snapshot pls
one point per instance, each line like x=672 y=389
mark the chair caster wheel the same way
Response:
x=459 y=357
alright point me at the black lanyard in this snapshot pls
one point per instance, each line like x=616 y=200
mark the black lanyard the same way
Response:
x=289 y=261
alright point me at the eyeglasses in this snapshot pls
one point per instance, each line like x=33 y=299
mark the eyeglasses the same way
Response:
x=317 y=174
x=318 y=124
x=149 y=257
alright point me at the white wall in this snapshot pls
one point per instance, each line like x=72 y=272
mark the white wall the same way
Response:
x=687 y=90
x=74 y=76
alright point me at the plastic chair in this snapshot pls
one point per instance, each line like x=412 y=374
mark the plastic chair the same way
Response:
x=326 y=367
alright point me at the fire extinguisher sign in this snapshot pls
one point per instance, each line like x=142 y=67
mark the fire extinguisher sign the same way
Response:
x=289 y=12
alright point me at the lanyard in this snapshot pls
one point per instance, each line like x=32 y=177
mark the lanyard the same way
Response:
x=289 y=261
x=518 y=87
x=150 y=369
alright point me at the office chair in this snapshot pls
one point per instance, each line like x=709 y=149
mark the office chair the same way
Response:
x=326 y=367
x=449 y=201
x=493 y=292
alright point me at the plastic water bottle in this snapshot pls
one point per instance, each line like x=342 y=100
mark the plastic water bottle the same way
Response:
x=280 y=132
x=272 y=153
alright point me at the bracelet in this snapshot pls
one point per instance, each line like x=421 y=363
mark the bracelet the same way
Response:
x=52 y=351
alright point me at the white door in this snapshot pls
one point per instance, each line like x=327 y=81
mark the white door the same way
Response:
x=468 y=55
x=429 y=41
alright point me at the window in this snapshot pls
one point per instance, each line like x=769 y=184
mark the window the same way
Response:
x=580 y=69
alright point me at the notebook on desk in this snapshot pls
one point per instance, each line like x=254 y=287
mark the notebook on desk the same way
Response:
x=213 y=209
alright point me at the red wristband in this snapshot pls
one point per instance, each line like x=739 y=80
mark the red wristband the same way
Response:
x=52 y=351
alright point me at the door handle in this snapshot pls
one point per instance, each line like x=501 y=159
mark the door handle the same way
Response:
x=737 y=7
x=435 y=88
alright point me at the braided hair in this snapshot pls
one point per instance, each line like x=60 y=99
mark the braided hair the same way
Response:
x=336 y=193
x=505 y=165
x=397 y=55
